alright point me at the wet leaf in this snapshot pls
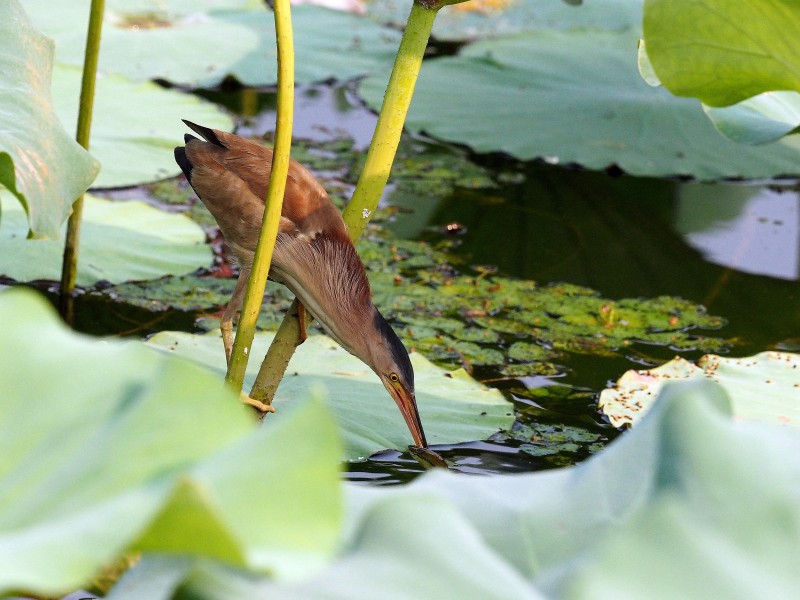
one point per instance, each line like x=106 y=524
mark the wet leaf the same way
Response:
x=40 y=163
x=170 y=40
x=96 y=465
x=133 y=145
x=452 y=409
x=549 y=102
x=715 y=34
x=196 y=293
x=120 y=241
x=519 y=370
x=764 y=387
x=597 y=530
x=552 y=440
x=760 y=119
x=491 y=18
x=525 y=351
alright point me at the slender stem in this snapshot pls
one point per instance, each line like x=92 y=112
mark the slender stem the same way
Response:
x=246 y=330
x=371 y=183
x=392 y=117
x=275 y=362
x=69 y=267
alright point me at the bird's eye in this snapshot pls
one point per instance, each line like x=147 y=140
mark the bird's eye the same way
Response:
x=394 y=377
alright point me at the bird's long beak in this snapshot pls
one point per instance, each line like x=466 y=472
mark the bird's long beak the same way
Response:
x=408 y=408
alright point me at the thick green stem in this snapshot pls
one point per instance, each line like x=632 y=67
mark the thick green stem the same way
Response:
x=277 y=359
x=392 y=117
x=246 y=330
x=371 y=183
x=69 y=267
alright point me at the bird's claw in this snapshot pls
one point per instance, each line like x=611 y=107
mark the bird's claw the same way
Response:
x=258 y=405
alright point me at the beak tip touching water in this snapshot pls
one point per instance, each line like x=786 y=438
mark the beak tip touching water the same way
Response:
x=407 y=404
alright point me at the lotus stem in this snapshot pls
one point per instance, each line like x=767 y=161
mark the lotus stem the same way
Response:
x=245 y=332
x=69 y=266
x=391 y=120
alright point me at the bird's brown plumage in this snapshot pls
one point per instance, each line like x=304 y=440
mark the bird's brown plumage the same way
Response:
x=228 y=169
x=313 y=255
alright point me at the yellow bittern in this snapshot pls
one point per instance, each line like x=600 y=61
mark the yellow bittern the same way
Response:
x=313 y=254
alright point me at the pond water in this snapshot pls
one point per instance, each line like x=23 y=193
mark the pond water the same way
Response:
x=733 y=248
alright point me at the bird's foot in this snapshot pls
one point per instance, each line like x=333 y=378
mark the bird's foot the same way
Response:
x=259 y=406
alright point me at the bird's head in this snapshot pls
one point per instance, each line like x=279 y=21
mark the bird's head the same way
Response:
x=389 y=359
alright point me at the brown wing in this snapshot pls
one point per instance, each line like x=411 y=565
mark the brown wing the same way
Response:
x=232 y=173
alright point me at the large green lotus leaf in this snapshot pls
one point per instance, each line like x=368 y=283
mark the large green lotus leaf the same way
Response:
x=277 y=496
x=760 y=119
x=453 y=406
x=723 y=51
x=40 y=163
x=665 y=498
x=135 y=126
x=764 y=387
x=120 y=241
x=107 y=446
x=200 y=45
x=539 y=96
x=492 y=18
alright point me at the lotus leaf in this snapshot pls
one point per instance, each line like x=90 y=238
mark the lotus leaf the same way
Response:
x=107 y=447
x=664 y=498
x=135 y=126
x=452 y=409
x=576 y=97
x=723 y=51
x=40 y=163
x=492 y=18
x=550 y=440
x=760 y=119
x=764 y=387
x=120 y=241
x=199 y=45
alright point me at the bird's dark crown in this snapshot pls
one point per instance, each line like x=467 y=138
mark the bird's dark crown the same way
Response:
x=397 y=350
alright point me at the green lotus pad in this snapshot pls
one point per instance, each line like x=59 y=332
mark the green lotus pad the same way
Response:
x=453 y=406
x=135 y=126
x=40 y=162
x=713 y=35
x=547 y=101
x=491 y=18
x=200 y=44
x=764 y=387
x=120 y=241
x=108 y=447
x=760 y=119
x=690 y=491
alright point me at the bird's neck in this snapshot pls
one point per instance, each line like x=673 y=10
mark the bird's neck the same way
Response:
x=328 y=277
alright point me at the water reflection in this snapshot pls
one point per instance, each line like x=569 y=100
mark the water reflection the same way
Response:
x=751 y=229
x=622 y=236
x=321 y=112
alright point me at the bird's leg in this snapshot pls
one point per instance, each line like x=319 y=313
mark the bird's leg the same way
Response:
x=301 y=319
x=226 y=327
x=235 y=303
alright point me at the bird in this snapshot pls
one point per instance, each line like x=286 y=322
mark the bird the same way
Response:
x=313 y=256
